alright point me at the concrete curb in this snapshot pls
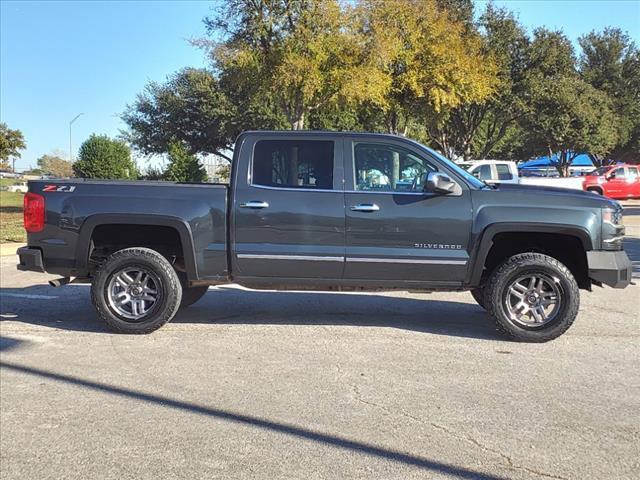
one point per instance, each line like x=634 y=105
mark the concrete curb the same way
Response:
x=9 y=248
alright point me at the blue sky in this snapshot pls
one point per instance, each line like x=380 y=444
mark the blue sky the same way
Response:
x=58 y=59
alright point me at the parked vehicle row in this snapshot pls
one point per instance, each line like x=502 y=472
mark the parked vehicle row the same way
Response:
x=328 y=211
x=617 y=181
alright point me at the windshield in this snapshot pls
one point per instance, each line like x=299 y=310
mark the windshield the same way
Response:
x=599 y=171
x=452 y=166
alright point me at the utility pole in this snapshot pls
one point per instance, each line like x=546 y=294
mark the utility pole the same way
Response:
x=70 y=144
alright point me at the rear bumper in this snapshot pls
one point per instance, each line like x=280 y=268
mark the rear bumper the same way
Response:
x=611 y=268
x=30 y=259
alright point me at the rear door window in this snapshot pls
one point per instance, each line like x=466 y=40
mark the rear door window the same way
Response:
x=304 y=164
x=632 y=174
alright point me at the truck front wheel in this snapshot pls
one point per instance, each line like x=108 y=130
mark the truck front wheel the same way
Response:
x=136 y=290
x=532 y=297
x=478 y=296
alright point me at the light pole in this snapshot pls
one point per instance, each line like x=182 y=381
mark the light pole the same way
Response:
x=70 y=147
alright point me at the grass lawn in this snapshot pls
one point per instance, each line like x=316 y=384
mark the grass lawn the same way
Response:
x=11 y=229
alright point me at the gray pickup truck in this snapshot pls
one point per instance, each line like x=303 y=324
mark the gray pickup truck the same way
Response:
x=328 y=211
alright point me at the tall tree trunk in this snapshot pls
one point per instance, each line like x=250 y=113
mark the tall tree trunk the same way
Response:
x=297 y=123
x=395 y=174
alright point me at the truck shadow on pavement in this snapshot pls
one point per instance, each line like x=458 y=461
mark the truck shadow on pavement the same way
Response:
x=632 y=247
x=301 y=432
x=69 y=308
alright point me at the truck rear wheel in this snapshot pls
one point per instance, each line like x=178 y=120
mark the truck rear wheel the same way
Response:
x=136 y=290
x=532 y=297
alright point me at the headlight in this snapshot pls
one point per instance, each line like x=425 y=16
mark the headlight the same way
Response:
x=612 y=216
x=612 y=228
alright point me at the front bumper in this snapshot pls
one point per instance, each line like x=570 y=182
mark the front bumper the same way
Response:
x=30 y=259
x=611 y=268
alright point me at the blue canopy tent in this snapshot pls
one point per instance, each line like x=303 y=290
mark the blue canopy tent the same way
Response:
x=543 y=164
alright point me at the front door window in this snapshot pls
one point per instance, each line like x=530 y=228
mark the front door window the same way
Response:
x=388 y=168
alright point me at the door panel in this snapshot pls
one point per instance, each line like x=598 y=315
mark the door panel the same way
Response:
x=289 y=215
x=410 y=235
x=614 y=187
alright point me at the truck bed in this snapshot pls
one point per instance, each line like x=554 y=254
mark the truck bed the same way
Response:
x=198 y=212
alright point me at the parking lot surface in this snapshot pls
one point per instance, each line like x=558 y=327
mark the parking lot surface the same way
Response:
x=249 y=384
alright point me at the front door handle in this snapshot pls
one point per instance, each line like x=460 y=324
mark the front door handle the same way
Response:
x=254 y=204
x=365 y=207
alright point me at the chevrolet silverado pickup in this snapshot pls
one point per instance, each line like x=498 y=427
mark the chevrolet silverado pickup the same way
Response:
x=328 y=211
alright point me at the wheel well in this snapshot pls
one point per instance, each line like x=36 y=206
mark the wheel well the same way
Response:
x=565 y=248
x=595 y=189
x=107 y=239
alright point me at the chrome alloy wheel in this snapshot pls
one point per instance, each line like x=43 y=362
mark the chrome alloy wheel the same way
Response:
x=132 y=292
x=533 y=300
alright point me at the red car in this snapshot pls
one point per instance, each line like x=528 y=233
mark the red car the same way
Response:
x=614 y=181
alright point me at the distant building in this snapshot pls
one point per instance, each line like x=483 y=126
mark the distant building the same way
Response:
x=211 y=164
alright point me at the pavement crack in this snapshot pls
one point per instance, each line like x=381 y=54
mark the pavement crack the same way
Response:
x=507 y=459
x=357 y=395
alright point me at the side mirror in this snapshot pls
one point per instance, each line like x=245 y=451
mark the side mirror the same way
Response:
x=611 y=176
x=437 y=182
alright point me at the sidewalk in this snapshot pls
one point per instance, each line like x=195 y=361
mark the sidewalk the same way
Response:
x=9 y=248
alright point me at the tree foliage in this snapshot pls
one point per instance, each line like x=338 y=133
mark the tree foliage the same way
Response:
x=472 y=86
x=183 y=166
x=480 y=128
x=105 y=158
x=610 y=62
x=570 y=117
x=302 y=56
x=11 y=142
x=52 y=164
x=190 y=108
x=430 y=62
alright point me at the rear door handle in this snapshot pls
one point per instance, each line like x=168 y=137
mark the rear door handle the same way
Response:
x=254 y=204
x=365 y=207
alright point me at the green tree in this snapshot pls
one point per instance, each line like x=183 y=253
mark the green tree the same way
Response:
x=430 y=62
x=482 y=128
x=183 y=166
x=11 y=142
x=300 y=56
x=610 y=61
x=223 y=172
x=103 y=157
x=189 y=108
x=53 y=164
x=570 y=117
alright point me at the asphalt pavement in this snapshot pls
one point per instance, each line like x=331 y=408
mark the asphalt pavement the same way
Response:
x=290 y=385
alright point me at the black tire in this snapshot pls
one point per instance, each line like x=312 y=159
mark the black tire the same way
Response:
x=165 y=283
x=478 y=296
x=191 y=295
x=503 y=277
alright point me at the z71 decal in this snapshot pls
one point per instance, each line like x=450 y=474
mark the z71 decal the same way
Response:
x=59 y=188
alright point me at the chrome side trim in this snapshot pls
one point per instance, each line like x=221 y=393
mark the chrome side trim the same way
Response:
x=294 y=189
x=316 y=258
x=313 y=258
x=406 y=260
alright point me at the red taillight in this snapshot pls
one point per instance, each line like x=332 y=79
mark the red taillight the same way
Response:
x=33 y=212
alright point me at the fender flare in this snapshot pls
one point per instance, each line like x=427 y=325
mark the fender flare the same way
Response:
x=485 y=241
x=181 y=226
